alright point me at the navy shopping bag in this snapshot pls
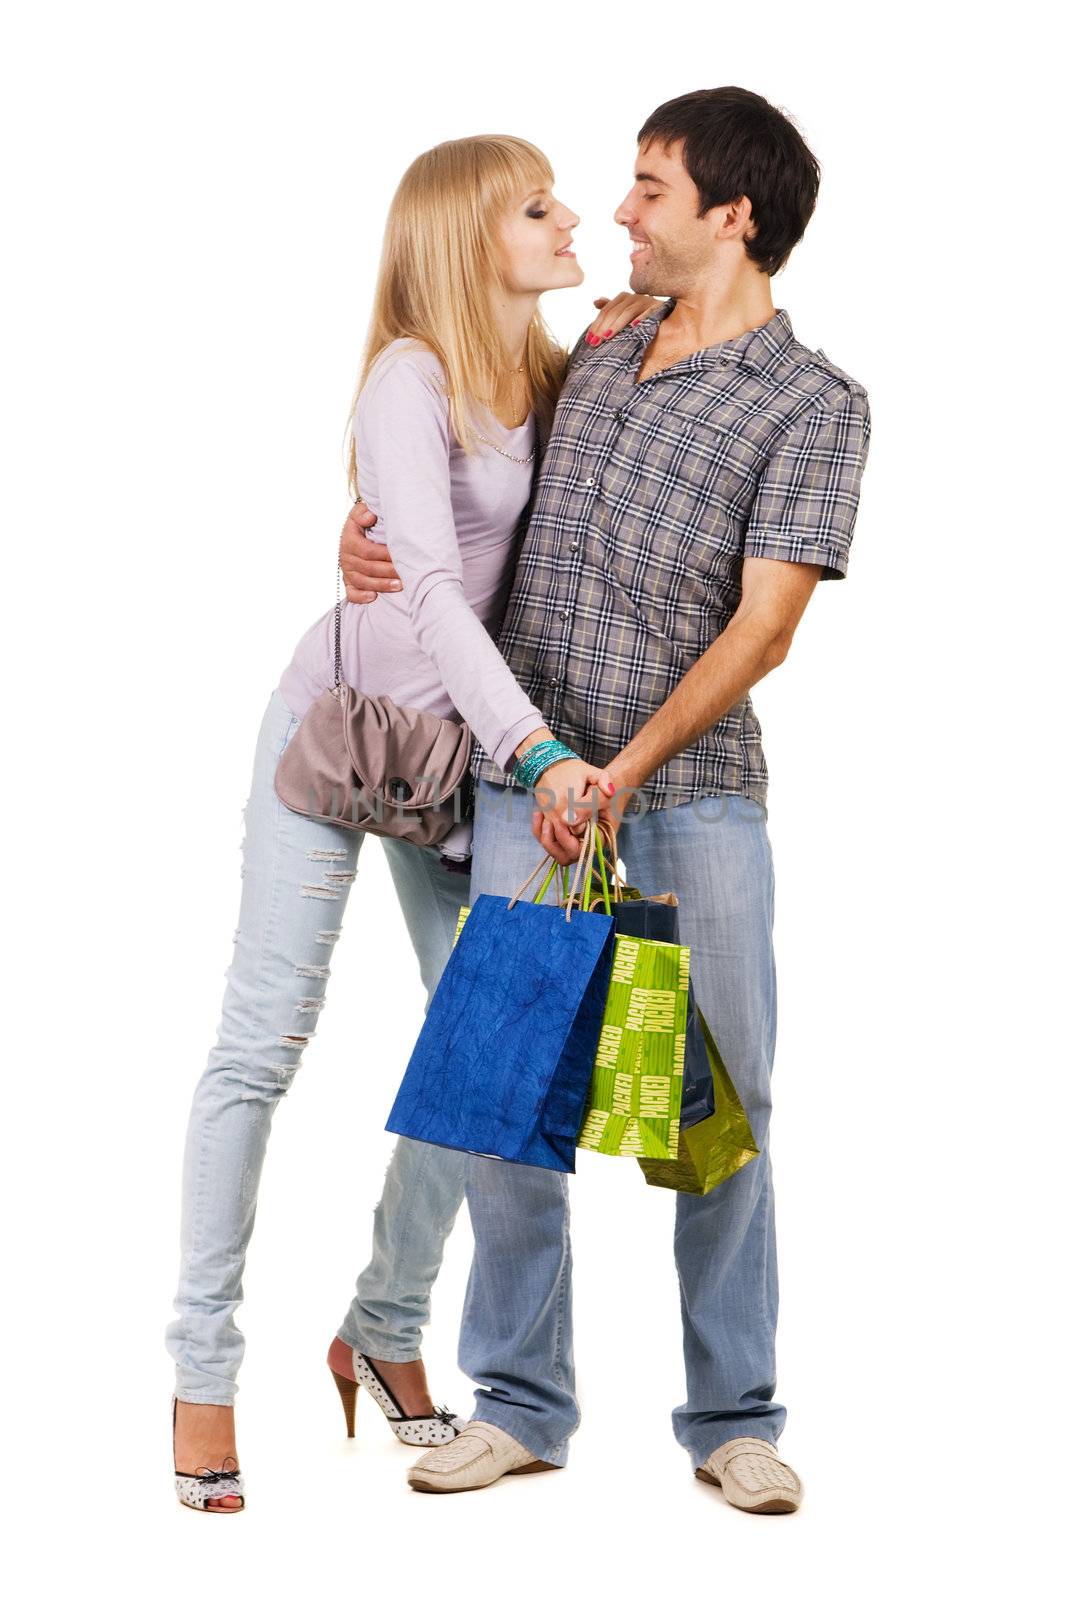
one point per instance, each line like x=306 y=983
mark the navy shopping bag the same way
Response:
x=503 y=1062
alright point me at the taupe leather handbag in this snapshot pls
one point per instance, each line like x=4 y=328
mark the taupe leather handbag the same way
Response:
x=361 y=761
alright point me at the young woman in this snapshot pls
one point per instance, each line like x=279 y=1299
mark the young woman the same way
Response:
x=459 y=379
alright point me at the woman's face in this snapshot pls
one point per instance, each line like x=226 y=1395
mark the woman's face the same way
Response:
x=535 y=241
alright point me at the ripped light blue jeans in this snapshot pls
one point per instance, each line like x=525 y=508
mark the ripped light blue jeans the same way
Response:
x=295 y=885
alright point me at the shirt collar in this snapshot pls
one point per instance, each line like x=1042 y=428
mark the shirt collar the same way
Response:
x=759 y=348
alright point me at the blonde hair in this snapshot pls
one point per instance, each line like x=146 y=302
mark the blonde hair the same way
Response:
x=440 y=267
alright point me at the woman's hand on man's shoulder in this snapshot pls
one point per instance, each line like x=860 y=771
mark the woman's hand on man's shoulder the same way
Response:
x=622 y=312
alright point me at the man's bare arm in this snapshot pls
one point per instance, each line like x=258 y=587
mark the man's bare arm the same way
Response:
x=754 y=642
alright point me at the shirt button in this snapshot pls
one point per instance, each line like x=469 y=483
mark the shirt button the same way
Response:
x=566 y=611
x=575 y=545
x=554 y=683
x=590 y=483
x=620 y=416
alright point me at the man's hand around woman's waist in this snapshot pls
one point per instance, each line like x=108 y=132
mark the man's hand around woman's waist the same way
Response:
x=365 y=565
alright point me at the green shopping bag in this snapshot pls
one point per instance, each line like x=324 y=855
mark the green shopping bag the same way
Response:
x=635 y=1094
x=713 y=1149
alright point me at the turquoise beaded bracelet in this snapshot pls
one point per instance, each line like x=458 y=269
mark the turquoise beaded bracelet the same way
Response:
x=529 y=767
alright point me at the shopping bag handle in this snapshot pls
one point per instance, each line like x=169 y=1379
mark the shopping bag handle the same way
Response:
x=582 y=865
x=551 y=863
x=601 y=871
x=616 y=871
x=550 y=878
x=585 y=860
x=585 y=863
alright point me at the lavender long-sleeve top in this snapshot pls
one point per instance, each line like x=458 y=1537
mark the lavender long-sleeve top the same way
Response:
x=450 y=522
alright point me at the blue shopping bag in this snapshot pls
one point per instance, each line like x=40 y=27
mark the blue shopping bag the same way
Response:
x=503 y=1062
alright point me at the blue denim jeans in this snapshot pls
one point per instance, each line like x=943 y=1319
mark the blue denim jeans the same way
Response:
x=297 y=876
x=516 y=1340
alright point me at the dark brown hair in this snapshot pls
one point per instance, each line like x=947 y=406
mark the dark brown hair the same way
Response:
x=736 y=143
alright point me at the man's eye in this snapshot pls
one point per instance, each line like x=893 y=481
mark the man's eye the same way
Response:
x=650 y=197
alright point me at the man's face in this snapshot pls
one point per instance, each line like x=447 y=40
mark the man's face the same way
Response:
x=672 y=246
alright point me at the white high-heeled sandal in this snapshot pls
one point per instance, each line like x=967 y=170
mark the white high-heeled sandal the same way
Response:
x=195 y=1489
x=438 y=1427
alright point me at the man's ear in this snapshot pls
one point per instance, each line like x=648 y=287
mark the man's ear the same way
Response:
x=737 y=221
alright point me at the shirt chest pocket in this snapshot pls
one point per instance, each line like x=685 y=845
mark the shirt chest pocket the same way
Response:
x=676 y=490
x=699 y=466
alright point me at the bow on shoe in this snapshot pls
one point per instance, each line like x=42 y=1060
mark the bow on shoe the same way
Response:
x=444 y=1416
x=203 y=1475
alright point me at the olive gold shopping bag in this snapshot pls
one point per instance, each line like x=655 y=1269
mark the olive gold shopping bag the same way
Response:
x=713 y=1149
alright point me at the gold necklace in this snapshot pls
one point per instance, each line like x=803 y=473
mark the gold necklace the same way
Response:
x=522 y=461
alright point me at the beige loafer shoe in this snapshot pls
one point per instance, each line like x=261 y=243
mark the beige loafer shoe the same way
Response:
x=477 y=1457
x=752 y=1478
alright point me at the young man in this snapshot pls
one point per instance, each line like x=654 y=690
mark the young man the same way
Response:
x=702 y=475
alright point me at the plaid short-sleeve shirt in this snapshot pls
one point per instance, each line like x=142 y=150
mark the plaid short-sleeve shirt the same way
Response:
x=649 y=498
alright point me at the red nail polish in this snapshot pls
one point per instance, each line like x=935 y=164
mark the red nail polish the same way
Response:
x=594 y=338
x=635 y=322
x=611 y=788
x=610 y=334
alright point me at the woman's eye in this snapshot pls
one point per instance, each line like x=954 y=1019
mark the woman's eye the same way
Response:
x=537 y=213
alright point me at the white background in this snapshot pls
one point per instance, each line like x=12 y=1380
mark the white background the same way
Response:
x=195 y=196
